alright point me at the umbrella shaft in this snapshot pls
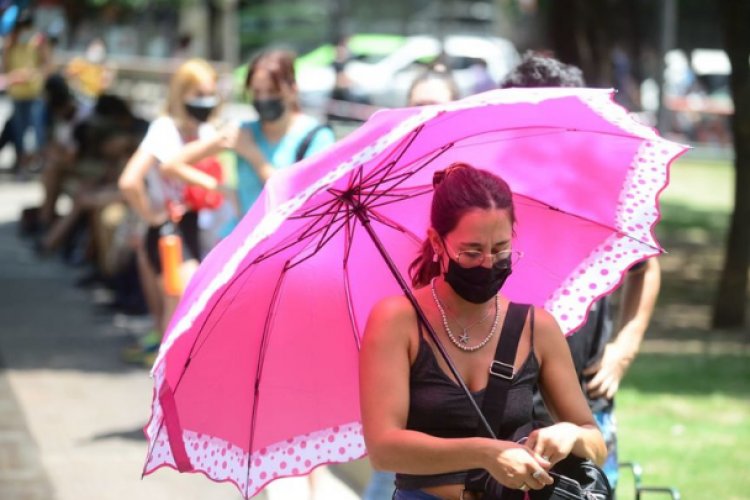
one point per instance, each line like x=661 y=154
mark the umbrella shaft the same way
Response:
x=365 y=220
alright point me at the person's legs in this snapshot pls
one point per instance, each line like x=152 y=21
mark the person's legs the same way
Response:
x=6 y=136
x=607 y=423
x=61 y=228
x=144 y=351
x=108 y=215
x=52 y=178
x=20 y=122
x=149 y=283
x=37 y=121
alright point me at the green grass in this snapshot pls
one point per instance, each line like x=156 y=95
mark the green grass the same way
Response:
x=702 y=185
x=684 y=418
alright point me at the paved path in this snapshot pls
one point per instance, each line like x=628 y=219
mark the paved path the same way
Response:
x=70 y=413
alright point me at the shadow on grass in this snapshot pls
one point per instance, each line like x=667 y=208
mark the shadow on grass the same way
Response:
x=691 y=374
x=683 y=224
x=695 y=241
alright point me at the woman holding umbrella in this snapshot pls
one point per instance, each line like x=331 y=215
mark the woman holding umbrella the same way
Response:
x=416 y=419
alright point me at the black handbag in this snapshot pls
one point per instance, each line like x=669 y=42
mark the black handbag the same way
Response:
x=574 y=477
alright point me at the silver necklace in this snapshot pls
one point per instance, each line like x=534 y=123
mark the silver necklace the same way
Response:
x=463 y=341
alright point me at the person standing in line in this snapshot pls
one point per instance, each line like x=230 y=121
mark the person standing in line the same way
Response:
x=434 y=86
x=158 y=199
x=601 y=355
x=27 y=63
x=91 y=75
x=280 y=136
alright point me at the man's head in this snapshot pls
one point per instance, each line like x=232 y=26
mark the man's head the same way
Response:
x=536 y=70
x=434 y=86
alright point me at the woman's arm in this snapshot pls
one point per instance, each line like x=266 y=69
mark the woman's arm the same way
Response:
x=384 y=398
x=242 y=141
x=576 y=431
x=181 y=166
x=640 y=291
x=133 y=188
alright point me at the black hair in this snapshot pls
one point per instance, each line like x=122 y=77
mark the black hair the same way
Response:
x=57 y=91
x=537 y=70
x=25 y=19
x=112 y=106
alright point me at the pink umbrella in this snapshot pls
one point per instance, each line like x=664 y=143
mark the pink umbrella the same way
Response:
x=257 y=377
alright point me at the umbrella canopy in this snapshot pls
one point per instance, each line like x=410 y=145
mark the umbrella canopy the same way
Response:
x=257 y=377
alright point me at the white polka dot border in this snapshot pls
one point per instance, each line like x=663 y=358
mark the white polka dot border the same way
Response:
x=223 y=462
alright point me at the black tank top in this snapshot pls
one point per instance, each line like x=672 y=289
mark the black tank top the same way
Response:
x=438 y=407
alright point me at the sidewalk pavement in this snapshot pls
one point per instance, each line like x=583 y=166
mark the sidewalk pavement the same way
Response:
x=70 y=412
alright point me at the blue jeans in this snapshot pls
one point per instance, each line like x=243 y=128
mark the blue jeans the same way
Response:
x=607 y=423
x=380 y=486
x=413 y=495
x=28 y=113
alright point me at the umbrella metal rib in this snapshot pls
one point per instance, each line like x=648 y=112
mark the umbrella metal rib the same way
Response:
x=363 y=217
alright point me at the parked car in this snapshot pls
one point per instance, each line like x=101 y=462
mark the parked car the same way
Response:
x=384 y=80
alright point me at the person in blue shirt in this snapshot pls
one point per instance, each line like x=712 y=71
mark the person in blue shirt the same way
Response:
x=280 y=136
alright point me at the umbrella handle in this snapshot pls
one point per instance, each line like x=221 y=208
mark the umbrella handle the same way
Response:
x=361 y=213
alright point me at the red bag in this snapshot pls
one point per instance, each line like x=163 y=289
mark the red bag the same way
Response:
x=199 y=198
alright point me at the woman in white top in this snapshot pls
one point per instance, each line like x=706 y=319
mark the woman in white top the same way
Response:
x=157 y=198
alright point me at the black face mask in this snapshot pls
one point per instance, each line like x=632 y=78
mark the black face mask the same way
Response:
x=201 y=108
x=477 y=284
x=269 y=110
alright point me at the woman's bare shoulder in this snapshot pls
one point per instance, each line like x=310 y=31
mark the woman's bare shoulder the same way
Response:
x=396 y=308
x=543 y=320
x=548 y=336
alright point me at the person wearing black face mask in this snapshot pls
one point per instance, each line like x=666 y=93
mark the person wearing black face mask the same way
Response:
x=269 y=110
x=279 y=137
x=158 y=196
x=474 y=282
x=201 y=108
x=416 y=419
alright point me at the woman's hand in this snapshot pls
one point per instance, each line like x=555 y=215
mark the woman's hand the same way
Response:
x=518 y=467
x=555 y=442
x=251 y=150
x=609 y=371
x=245 y=145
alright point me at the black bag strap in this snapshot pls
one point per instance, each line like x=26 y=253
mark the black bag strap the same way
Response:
x=502 y=372
x=304 y=145
x=499 y=382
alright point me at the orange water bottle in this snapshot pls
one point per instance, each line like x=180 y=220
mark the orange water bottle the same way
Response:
x=170 y=253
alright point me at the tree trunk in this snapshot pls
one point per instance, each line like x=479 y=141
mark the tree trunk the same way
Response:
x=579 y=35
x=731 y=300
